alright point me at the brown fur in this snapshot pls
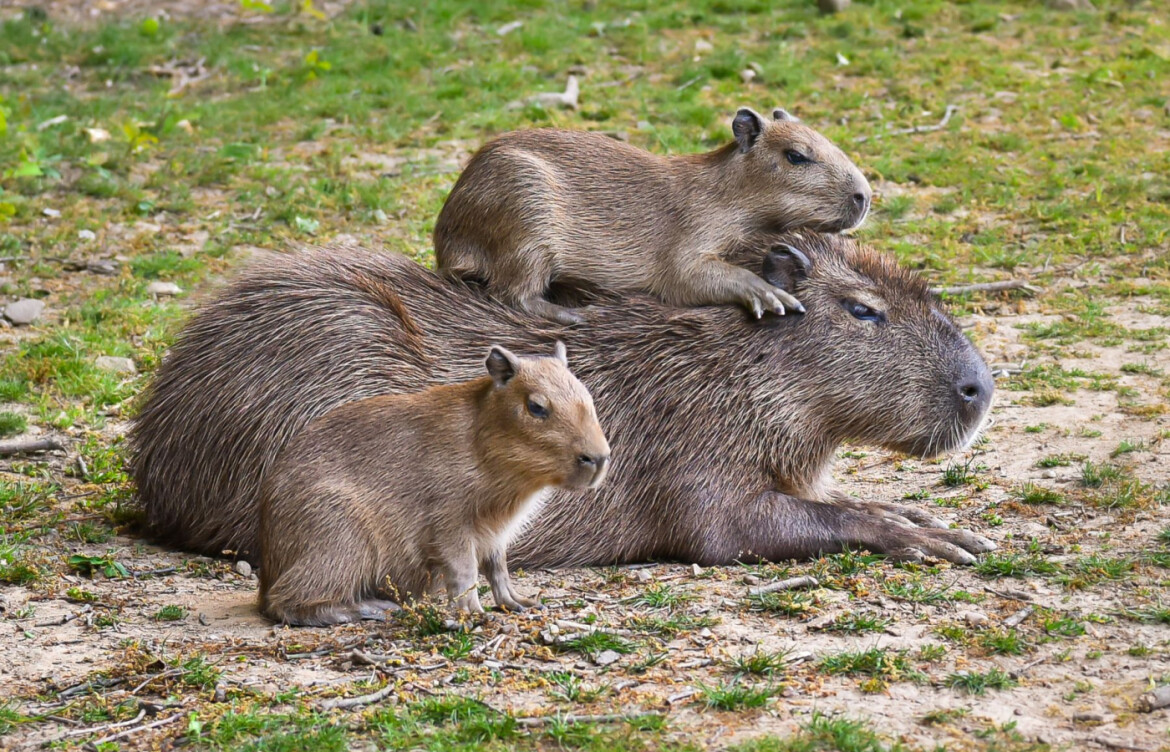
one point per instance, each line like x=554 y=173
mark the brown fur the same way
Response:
x=383 y=495
x=726 y=426
x=539 y=207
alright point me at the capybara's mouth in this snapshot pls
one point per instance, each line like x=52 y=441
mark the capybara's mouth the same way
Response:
x=953 y=435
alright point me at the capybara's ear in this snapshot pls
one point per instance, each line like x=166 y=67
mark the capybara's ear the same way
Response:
x=746 y=127
x=501 y=365
x=560 y=352
x=782 y=114
x=785 y=265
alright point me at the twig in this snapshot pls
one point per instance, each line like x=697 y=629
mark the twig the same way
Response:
x=78 y=689
x=1021 y=597
x=128 y=732
x=689 y=692
x=1151 y=701
x=603 y=718
x=344 y=703
x=1019 y=672
x=1018 y=617
x=108 y=726
x=795 y=583
x=1105 y=741
x=1007 y=284
x=951 y=110
x=159 y=675
x=688 y=83
x=28 y=447
x=64 y=619
x=153 y=572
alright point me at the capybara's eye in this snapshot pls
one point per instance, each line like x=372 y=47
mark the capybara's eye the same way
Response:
x=537 y=410
x=796 y=158
x=862 y=312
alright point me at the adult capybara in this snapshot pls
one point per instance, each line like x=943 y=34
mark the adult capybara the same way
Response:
x=726 y=425
x=543 y=206
x=383 y=497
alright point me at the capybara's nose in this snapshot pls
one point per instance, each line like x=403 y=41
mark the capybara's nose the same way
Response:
x=861 y=200
x=974 y=388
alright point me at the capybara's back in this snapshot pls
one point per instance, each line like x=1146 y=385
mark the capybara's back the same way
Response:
x=267 y=356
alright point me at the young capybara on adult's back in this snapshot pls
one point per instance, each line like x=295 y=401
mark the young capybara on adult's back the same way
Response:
x=539 y=206
x=726 y=425
x=381 y=496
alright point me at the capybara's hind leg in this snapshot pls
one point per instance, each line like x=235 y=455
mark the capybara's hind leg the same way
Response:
x=375 y=609
x=313 y=615
x=522 y=281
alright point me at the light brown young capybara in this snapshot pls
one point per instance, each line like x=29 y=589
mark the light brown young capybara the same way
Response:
x=543 y=206
x=726 y=425
x=381 y=497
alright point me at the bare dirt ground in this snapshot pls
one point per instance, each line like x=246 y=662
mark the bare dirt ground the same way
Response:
x=1076 y=692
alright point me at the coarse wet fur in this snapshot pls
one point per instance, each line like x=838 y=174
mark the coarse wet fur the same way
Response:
x=538 y=207
x=383 y=497
x=726 y=425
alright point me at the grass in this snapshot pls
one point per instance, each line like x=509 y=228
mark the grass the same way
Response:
x=976 y=683
x=879 y=665
x=735 y=696
x=760 y=662
x=1031 y=493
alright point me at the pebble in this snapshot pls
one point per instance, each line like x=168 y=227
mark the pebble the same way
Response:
x=87 y=235
x=607 y=657
x=1086 y=717
x=1048 y=474
x=115 y=364
x=644 y=575
x=51 y=213
x=24 y=311
x=702 y=45
x=974 y=618
x=163 y=288
x=747 y=75
x=832 y=6
x=244 y=568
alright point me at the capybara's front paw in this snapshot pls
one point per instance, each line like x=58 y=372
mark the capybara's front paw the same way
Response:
x=759 y=296
x=955 y=546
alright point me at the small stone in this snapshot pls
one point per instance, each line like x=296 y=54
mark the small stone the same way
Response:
x=163 y=288
x=115 y=364
x=644 y=125
x=696 y=570
x=974 y=618
x=1048 y=474
x=747 y=75
x=607 y=657
x=204 y=619
x=1086 y=717
x=24 y=311
x=244 y=568
x=185 y=126
x=644 y=575
x=102 y=266
x=705 y=633
x=87 y=235
x=702 y=45
x=220 y=693
x=832 y=6
x=51 y=213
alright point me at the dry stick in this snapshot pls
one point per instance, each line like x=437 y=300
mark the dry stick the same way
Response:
x=795 y=583
x=344 y=703
x=1014 y=596
x=603 y=718
x=128 y=732
x=1151 y=701
x=1007 y=284
x=28 y=447
x=1018 y=617
x=108 y=726
x=951 y=110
